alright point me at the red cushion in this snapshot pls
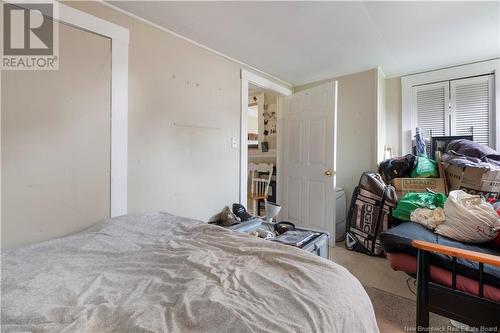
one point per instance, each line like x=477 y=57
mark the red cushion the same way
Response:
x=407 y=263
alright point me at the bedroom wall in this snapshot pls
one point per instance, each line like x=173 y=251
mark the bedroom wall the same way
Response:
x=367 y=105
x=393 y=114
x=381 y=116
x=357 y=126
x=189 y=169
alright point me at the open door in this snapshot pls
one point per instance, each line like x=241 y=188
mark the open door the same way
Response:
x=308 y=161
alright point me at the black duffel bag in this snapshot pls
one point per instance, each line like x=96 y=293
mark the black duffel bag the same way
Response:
x=397 y=167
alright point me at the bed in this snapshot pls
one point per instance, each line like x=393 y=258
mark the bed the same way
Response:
x=402 y=255
x=456 y=280
x=157 y=272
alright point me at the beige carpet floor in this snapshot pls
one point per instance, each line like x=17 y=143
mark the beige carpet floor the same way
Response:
x=397 y=314
x=391 y=293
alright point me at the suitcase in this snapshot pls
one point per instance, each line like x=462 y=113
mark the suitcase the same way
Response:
x=369 y=214
x=319 y=246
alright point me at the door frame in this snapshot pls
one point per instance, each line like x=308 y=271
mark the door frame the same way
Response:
x=119 y=37
x=247 y=78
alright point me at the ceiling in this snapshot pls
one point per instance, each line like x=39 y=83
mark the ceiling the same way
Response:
x=301 y=42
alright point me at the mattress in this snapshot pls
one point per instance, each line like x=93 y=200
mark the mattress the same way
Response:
x=157 y=272
x=398 y=240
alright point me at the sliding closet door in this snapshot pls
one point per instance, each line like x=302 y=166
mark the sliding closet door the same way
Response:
x=56 y=137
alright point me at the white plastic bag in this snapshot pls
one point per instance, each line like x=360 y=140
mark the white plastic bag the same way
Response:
x=469 y=219
x=430 y=218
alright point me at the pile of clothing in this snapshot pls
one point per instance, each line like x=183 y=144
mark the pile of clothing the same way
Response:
x=227 y=218
x=461 y=216
x=468 y=153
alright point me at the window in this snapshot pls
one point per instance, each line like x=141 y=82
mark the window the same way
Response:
x=456 y=107
x=253 y=126
x=460 y=100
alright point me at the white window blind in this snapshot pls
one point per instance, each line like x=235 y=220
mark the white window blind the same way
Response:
x=472 y=101
x=456 y=107
x=430 y=102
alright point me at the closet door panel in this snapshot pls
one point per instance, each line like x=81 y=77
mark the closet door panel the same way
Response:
x=472 y=106
x=430 y=105
x=56 y=139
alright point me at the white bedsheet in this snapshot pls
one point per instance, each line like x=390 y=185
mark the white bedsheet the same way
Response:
x=156 y=272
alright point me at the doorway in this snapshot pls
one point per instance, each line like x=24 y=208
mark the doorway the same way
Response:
x=259 y=139
x=262 y=115
x=305 y=151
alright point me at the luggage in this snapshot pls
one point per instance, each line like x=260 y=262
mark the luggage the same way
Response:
x=369 y=214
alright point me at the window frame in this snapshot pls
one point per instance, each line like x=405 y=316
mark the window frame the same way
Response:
x=408 y=116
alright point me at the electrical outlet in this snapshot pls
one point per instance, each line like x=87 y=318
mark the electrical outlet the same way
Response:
x=234 y=142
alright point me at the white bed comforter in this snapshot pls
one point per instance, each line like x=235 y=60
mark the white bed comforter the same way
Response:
x=156 y=272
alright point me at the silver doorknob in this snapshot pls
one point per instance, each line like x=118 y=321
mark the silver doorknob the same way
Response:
x=329 y=173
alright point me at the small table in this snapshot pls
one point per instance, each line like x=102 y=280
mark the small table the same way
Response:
x=317 y=245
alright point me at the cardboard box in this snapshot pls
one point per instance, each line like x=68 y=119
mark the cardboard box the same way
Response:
x=405 y=185
x=482 y=181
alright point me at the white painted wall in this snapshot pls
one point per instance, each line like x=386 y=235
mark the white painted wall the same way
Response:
x=381 y=115
x=393 y=114
x=189 y=170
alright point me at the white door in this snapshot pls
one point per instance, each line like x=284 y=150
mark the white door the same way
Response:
x=308 y=179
